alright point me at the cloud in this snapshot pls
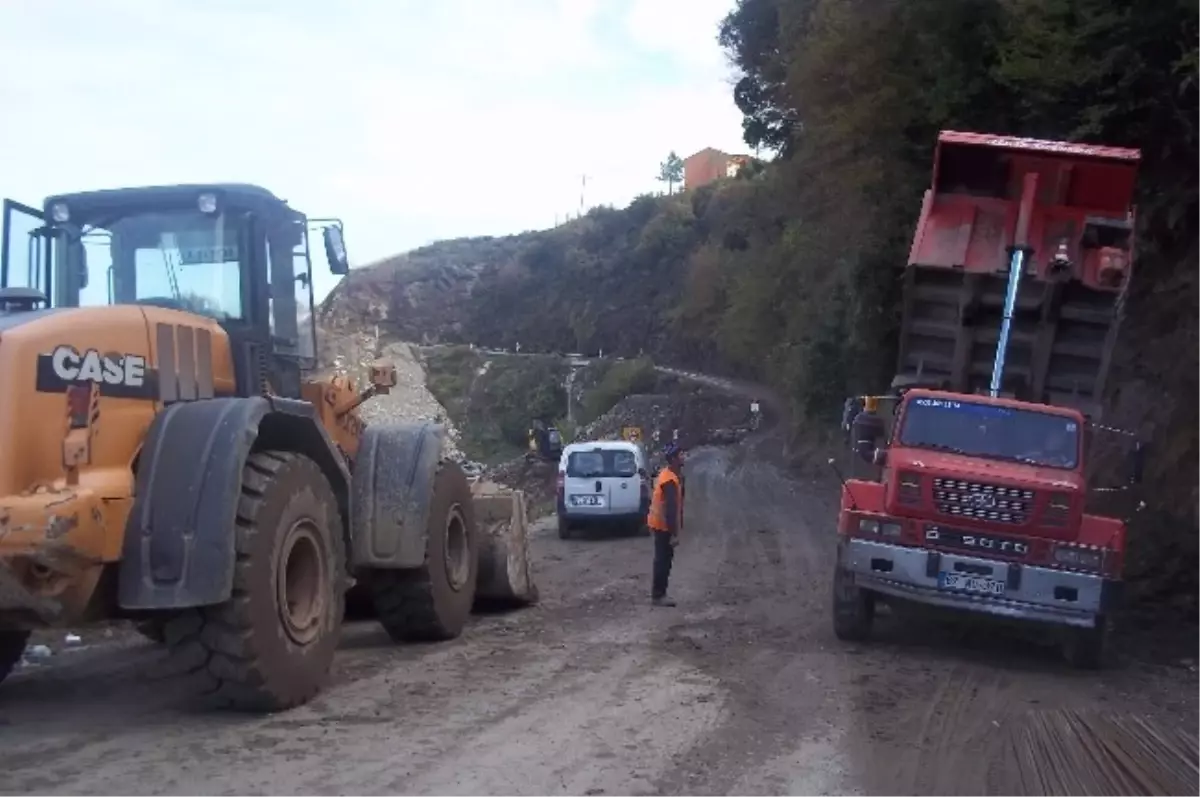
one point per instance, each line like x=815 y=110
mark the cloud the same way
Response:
x=411 y=120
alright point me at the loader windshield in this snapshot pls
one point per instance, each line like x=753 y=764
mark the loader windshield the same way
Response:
x=180 y=259
x=984 y=430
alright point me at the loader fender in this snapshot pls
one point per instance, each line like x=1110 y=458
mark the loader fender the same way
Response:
x=178 y=548
x=392 y=484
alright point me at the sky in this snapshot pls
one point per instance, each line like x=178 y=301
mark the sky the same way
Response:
x=411 y=120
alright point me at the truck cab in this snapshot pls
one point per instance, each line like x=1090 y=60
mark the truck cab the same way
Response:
x=1012 y=302
x=980 y=506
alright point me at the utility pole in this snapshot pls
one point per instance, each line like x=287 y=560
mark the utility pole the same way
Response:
x=582 y=191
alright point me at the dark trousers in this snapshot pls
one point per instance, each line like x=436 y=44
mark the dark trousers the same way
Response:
x=664 y=555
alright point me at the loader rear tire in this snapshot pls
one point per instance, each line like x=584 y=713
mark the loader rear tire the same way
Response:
x=271 y=645
x=12 y=645
x=433 y=602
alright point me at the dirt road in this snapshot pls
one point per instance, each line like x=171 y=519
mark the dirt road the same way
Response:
x=741 y=689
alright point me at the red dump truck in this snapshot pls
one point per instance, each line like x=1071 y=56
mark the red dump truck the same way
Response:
x=1013 y=296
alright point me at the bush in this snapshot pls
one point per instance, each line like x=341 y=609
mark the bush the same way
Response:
x=620 y=379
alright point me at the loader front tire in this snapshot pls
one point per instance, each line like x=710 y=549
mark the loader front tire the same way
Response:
x=433 y=602
x=12 y=645
x=271 y=645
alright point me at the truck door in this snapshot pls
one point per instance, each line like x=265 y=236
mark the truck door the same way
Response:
x=26 y=248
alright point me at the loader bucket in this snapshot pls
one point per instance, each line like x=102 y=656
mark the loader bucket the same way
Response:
x=505 y=578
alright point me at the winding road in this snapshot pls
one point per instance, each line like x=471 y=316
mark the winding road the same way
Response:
x=740 y=689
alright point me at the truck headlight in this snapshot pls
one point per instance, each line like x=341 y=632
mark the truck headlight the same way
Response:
x=1079 y=558
x=887 y=528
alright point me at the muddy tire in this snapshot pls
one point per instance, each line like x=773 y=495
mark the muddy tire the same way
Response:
x=564 y=529
x=433 y=602
x=12 y=645
x=1087 y=648
x=853 y=608
x=270 y=646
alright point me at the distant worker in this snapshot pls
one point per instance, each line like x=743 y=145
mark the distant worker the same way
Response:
x=665 y=520
x=755 y=414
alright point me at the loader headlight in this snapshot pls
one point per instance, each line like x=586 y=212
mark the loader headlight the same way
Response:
x=207 y=203
x=60 y=213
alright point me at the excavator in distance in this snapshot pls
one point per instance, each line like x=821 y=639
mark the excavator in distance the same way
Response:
x=168 y=458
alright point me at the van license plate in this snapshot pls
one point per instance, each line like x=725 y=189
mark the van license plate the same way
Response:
x=967 y=583
x=587 y=500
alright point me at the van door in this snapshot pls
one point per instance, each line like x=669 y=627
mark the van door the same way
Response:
x=584 y=492
x=625 y=484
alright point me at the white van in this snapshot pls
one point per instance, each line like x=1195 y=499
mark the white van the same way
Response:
x=603 y=483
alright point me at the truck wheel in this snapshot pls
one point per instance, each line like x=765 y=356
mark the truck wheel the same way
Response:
x=433 y=601
x=12 y=645
x=151 y=629
x=271 y=645
x=1087 y=648
x=853 y=608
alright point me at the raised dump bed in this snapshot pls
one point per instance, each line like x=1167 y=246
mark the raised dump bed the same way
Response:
x=1068 y=209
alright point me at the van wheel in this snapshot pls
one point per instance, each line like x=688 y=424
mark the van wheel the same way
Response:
x=12 y=645
x=432 y=602
x=271 y=645
x=564 y=528
x=853 y=608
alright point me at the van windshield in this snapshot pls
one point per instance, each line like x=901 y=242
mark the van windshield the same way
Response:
x=599 y=463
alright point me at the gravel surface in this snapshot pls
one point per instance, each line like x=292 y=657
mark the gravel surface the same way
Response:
x=740 y=689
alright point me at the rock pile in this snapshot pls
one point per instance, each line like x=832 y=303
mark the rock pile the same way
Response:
x=352 y=352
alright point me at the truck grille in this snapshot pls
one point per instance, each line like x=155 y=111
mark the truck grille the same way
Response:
x=980 y=501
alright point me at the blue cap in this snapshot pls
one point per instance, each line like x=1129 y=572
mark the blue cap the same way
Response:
x=672 y=450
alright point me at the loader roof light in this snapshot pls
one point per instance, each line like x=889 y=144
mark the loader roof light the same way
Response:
x=207 y=203
x=60 y=213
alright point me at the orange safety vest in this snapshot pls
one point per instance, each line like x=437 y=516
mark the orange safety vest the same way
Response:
x=656 y=519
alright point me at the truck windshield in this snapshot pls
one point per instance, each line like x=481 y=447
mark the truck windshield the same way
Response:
x=180 y=259
x=985 y=430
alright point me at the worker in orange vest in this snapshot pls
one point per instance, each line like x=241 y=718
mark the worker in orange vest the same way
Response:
x=665 y=520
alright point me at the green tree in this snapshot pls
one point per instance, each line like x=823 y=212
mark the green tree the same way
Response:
x=670 y=171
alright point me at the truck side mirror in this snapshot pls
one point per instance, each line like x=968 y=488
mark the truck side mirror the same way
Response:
x=335 y=250
x=1137 y=463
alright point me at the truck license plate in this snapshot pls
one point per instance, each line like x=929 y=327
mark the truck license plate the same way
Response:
x=587 y=500
x=967 y=583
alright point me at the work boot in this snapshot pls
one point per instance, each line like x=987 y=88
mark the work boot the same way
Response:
x=662 y=601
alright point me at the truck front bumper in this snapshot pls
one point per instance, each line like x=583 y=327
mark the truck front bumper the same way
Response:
x=1039 y=594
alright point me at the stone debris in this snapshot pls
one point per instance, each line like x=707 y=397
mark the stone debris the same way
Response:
x=352 y=352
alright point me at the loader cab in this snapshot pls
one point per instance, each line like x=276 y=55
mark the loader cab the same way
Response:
x=234 y=253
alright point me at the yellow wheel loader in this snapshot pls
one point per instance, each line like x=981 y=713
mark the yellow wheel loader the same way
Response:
x=167 y=460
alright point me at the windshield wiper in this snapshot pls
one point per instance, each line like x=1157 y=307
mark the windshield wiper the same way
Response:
x=951 y=449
